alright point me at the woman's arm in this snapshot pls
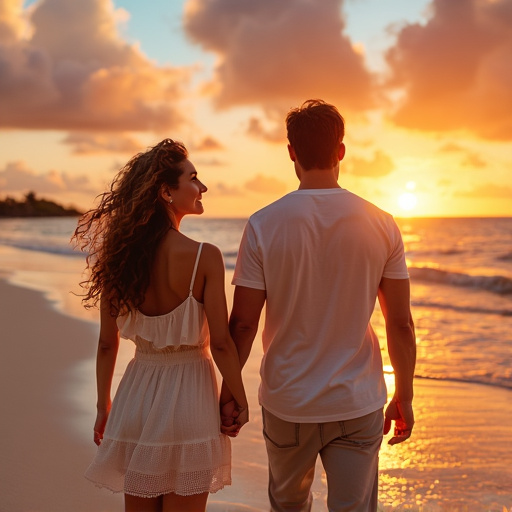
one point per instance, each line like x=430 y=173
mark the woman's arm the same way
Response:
x=222 y=347
x=108 y=346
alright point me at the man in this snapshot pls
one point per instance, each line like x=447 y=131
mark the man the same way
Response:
x=319 y=257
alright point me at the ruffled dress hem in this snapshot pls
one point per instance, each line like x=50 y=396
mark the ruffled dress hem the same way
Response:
x=188 y=492
x=184 y=469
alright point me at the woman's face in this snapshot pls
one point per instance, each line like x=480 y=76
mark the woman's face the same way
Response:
x=186 y=199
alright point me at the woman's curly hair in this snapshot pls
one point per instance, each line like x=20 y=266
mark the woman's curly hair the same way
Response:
x=122 y=234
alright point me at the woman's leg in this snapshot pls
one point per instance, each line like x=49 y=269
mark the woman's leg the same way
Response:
x=138 y=504
x=194 y=503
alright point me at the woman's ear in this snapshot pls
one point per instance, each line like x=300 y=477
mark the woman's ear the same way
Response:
x=165 y=193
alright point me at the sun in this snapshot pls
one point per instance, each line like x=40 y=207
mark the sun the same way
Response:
x=407 y=201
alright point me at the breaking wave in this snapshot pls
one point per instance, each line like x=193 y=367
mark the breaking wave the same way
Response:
x=497 y=284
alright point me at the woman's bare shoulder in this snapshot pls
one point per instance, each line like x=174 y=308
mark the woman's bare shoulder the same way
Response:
x=212 y=256
x=211 y=249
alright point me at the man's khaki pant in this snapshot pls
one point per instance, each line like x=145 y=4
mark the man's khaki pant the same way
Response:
x=350 y=455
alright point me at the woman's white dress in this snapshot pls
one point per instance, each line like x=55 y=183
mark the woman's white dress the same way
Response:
x=163 y=431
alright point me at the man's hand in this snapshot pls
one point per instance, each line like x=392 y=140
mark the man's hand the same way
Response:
x=403 y=416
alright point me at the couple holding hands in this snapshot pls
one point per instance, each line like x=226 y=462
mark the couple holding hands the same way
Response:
x=318 y=259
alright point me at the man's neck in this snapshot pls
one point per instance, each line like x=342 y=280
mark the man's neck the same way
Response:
x=318 y=178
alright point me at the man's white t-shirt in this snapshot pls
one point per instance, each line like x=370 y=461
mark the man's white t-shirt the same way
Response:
x=320 y=255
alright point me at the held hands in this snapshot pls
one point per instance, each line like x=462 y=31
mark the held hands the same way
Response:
x=403 y=416
x=233 y=418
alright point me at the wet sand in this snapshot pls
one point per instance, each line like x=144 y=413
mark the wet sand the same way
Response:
x=459 y=459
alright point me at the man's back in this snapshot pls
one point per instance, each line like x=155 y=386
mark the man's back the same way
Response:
x=320 y=255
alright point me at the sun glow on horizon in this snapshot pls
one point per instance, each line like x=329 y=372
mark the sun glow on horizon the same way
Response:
x=408 y=200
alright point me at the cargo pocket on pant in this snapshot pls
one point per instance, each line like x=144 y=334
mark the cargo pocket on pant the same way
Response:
x=280 y=433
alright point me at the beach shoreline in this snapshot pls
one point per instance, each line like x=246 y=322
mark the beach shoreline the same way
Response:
x=461 y=439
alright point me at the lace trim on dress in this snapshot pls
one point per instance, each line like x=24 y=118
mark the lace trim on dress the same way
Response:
x=134 y=466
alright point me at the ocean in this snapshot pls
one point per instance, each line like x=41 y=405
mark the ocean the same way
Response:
x=461 y=293
x=461 y=283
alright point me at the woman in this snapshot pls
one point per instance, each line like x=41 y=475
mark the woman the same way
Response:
x=159 y=440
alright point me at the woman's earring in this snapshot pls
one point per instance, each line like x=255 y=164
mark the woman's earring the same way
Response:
x=170 y=200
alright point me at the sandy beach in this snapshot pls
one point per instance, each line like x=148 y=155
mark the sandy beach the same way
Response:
x=459 y=458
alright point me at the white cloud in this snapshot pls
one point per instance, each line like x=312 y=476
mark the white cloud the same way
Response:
x=280 y=53
x=74 y=72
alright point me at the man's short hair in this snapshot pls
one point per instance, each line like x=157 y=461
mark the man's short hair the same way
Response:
x=315 y=131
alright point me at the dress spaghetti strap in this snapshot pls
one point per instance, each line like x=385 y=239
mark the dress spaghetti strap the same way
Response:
x=195 y=269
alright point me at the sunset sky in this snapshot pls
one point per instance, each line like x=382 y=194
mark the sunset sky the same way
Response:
x=425 y=88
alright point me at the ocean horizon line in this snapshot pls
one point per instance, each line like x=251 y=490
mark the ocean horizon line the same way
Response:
x=241 y=217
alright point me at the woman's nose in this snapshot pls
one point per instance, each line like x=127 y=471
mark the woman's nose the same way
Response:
x=204 y=188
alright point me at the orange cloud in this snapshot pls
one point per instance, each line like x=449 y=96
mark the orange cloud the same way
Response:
x=221 y=189
x=276 y=134
x=266 y=185
x=96 y=143
x=208 y=143
x=451 y=147
x=74 y=72
x=208 y=162
x=455 y=69
x=380 y=165
x=474 y=160
x=280 y=53
x=488 y=190
x=17 y=177
x=471 y=159
x=260 y=184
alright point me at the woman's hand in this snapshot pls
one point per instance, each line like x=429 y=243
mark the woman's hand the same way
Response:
x=99 y=425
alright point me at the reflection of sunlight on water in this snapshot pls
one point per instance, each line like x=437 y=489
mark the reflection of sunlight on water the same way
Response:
x=391 y=490
x=402 y=481
x=451 y=463
x=395 y=489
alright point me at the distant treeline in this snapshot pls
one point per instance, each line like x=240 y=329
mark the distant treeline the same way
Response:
x=31 y=206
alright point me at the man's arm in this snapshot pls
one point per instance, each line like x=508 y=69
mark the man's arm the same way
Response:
x=243 y=326
x=394 y=299
x=244 y=319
